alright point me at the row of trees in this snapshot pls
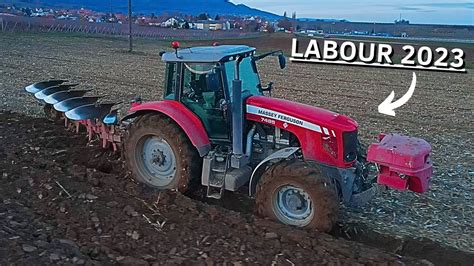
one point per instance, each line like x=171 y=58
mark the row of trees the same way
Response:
x=288 y=24
x=205 y=16
x=293 y=15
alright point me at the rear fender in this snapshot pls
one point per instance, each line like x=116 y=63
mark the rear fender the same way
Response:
x=260 y=168
x=187 y=120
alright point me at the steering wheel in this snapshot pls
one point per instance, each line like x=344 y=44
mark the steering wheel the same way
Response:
x=189 y=92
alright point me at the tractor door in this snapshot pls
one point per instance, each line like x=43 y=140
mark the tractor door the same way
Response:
x=203 y=93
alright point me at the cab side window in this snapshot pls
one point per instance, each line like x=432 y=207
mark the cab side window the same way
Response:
x=202 y=84
x=203 y=93
x=170 y=81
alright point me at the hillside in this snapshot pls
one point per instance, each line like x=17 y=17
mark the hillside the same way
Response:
x=213 y=7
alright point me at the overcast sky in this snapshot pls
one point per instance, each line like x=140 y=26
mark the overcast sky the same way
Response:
x=417 y=11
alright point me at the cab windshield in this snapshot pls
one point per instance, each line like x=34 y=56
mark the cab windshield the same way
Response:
x=250 y=79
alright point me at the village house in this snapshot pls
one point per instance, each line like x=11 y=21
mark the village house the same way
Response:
x=173 y=23
x=212 y=25
x=39 y=12
x=149 y=21
x=120 y=18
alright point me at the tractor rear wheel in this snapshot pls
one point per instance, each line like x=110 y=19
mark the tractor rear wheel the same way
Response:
x=293 y=193
x=159 y=154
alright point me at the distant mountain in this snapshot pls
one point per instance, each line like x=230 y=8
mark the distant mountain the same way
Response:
x=195 y=7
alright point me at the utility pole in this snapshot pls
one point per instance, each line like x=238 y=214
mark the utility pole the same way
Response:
x=130 y=39
x=111 y=8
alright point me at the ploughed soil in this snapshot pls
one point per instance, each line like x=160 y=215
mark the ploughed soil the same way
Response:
x=63 y=200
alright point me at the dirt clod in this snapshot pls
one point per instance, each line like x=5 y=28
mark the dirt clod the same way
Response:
x=271 y=235
x=128 y=210
x=28 y=248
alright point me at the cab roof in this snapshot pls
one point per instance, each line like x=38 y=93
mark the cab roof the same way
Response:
x=208 y=54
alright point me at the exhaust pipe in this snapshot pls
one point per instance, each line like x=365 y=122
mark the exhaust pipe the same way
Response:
x=237 y=112
x=249 y=146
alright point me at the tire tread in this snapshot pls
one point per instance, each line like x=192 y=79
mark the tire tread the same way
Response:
x=187 y=156
x=325 y=200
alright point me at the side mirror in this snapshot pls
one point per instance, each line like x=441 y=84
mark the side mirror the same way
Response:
x=282 y=61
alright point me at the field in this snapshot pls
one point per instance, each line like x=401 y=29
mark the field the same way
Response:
x=422 y=226
x=19 y=24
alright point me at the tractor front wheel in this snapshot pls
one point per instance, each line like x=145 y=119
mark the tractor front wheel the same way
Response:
x=159 y=154
x=293 y=193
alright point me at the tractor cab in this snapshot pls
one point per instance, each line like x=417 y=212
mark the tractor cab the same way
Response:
x=202 y=79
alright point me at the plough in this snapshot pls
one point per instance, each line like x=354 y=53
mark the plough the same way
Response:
x=63 y=102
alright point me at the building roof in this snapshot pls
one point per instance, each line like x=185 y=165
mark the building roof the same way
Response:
x=208 y=54
x=210 y=22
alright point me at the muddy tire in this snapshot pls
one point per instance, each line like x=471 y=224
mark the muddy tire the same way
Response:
x=293 y=193
x=159 y=154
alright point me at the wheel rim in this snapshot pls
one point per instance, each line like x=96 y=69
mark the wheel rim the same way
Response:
x=293 y=206
x=156 y=160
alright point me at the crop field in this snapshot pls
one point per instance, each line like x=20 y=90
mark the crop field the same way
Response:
x=411 y=225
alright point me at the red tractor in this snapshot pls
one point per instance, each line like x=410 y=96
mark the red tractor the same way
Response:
x=217 y=122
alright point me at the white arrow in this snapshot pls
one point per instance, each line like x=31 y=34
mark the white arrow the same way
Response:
x=388 y=107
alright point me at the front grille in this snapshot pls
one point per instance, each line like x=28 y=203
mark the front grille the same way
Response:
x=350 y=146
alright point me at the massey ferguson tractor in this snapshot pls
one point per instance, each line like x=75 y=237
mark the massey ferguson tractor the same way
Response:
x=217 y=123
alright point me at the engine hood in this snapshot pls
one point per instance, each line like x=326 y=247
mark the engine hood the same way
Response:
x=298 y=113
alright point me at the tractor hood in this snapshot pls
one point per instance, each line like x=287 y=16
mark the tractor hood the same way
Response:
x=310 y=117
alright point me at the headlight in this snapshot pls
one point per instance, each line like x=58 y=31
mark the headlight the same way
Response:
x=350 y=146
